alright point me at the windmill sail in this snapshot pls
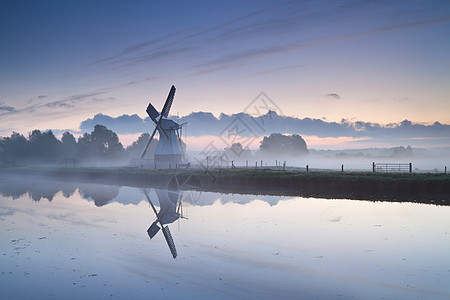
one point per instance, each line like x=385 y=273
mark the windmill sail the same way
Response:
x=163 y=217
x=169 y=152
x=153 y=229
x=168 y=103
x=152 y=112
x=169 y=240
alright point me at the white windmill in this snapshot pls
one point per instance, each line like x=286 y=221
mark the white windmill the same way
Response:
x=169 y=151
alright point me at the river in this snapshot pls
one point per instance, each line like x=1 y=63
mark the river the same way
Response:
x=63 y=239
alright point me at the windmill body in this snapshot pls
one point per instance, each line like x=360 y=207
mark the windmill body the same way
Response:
x=169 y=147
x=169 y=152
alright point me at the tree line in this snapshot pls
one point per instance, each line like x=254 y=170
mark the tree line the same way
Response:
x=101 y=145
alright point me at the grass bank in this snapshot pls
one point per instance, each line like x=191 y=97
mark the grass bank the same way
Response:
x=428 y=188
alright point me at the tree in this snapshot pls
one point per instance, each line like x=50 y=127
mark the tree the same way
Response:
x=402 y=151
x=69 y=145
x=135 y=150
x=44 y=146
x=101 y=143
x=15 y=148
x=236 y=151
x=280 y=144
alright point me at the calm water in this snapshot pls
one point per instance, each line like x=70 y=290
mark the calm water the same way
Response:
x=61 y=239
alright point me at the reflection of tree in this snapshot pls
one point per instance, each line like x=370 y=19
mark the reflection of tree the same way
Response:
x=11 y=187
x=38 y=191
x=68 y=190
x=36 y=188
x=101 y=194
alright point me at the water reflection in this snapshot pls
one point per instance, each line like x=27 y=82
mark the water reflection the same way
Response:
x=233 y=246
x=37 y=189
x=169 y=200
x=102 y=194
x=169 y=212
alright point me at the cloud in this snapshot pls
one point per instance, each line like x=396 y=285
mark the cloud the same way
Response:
x=134 y=48
x=334 y=96
x=6 y=108
x=70 y=101
x=273 y=30
x=124 y=124
x=297 y=21
x=136 y=82
x=206 y=124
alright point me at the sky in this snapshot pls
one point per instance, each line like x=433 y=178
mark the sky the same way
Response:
x=383 y=62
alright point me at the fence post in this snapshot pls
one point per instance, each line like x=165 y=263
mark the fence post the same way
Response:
x=307 y=168
x=445 y=170
x=410 y=168
x=342 y=168
x=284 y=167
x=373 y=167
x=256 y=165
x=246 y=163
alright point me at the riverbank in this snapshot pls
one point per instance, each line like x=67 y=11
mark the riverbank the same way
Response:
x=427 y=188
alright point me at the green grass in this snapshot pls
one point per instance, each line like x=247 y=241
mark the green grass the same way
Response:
x=264 y=173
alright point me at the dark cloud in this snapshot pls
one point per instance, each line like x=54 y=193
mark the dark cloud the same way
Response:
x=135 y=82
x=204 y=123
x=72 y=100
x=135 y=48
x=6 y=108
x=123 y=124
x=334 y=96
x=288 y=23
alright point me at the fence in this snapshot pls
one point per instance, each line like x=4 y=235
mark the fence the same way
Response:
x=391 y=168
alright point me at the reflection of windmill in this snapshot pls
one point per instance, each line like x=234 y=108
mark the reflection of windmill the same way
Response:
x=169 y=149
x=171 y=206
x=170 y=211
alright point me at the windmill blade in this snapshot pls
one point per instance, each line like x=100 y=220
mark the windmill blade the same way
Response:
x=153 y=229
x=168 y=103
x=152 y=112
x=148 y=144
x=169 y=240
x=150 y=201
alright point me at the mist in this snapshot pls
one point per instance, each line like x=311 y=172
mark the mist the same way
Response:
x=102 y=148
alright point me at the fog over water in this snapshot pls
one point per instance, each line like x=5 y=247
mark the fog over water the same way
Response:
x=62 y=238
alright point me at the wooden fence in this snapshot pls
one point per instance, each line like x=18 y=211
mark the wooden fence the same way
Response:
x=391 y=168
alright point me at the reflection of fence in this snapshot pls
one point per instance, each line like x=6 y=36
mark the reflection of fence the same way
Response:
x=391 y=168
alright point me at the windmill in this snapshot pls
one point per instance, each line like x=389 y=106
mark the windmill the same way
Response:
x=169 y=149
x=171 y=206
x=170 y=211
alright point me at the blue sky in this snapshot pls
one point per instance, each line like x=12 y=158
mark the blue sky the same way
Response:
x=62 y=62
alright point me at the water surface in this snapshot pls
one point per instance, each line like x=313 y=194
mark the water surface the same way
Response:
x=64 y=239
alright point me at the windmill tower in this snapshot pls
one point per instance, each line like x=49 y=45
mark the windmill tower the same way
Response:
x=169 y=150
